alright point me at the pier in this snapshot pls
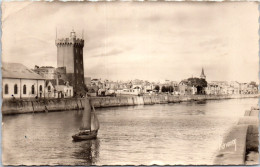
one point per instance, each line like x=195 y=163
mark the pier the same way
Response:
x=240 y=145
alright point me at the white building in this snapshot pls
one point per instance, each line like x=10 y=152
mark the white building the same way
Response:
x=20 y=82
x=50 y=91
x=58 y=89
x=64 y=91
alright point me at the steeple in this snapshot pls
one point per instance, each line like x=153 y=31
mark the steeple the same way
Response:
x=202 y=75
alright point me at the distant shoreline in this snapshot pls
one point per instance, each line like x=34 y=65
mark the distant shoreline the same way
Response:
x=50 y=105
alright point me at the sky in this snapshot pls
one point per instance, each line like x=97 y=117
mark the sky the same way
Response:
x=139 y=40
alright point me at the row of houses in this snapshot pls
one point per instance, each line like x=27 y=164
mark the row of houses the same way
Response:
x=174 y=87
x=45 y=82
x=19 y=82
x=233 y=87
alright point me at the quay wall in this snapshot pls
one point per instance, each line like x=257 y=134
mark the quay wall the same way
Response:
x=240 y=145
x=159 y=99
x=44 y=105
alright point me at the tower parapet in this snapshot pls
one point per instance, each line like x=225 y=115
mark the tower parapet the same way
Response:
x=69 y=41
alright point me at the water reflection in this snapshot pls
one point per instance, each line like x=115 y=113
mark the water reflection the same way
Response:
x=201 y=102
x=88 y=151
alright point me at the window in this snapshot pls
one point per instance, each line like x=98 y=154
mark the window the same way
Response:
x=6 y=89
x=15 y=89
x=33 y=89
x=40 y=87
x=24 y=89
x=49 y=88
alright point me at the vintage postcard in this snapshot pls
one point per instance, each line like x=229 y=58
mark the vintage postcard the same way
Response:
x=130 y=83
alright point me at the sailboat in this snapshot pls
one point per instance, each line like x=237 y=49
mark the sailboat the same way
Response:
x=90 y=124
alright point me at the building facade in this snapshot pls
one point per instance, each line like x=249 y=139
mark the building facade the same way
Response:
x=20 y=82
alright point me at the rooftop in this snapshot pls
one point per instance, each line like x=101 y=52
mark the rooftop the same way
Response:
x=17 y=70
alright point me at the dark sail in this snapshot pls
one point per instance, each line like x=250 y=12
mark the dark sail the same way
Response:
x=94 y=122
x=86 y=118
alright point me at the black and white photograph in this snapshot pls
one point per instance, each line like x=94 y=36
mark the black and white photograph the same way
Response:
x=130 y=83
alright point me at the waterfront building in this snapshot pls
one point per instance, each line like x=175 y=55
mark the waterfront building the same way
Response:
x=18 y=81
x=97 y=82
x=70 y=57
x=136 y=91
x=249 y=88
x=212 y=89
x=58 y=88
x=47 y=72
x=186 y=89
x=50 y=91
x=234 y=87
x=110 y=85
x=221 y=87
x=64 y=90
x=149 y=87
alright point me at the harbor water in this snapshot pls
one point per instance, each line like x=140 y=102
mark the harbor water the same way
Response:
x=175 y=133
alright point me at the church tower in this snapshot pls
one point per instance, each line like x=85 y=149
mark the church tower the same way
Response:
x=202 y=75
x=70 y=58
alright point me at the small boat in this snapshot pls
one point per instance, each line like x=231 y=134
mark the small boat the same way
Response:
x=89 y=126
x=85 y=135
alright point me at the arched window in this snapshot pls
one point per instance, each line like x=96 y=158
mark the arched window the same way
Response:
x=40 y=87
x=6 y=89
x=15 y=89
x=33 y=89
x=49 y=88
x=24 y=89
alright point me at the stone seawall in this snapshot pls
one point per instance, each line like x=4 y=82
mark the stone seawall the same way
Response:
x=160 y=99
x=44 y=105
x=33 y=106
x=240 y=145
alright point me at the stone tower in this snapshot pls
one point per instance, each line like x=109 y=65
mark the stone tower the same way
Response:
x=202 y=75
x=70 y=58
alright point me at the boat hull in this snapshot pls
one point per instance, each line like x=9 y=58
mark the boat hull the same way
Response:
x=88 y=136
